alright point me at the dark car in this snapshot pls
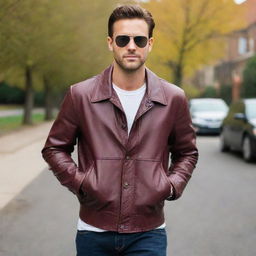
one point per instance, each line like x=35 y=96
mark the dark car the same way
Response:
x=238 y=130
x=207 y=114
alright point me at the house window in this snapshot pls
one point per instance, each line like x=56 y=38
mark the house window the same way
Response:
x=242 y=45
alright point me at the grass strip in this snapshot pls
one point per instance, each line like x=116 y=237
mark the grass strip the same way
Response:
x=11 y=123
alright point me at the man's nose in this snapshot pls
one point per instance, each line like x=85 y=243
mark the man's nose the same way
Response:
x=131 y=44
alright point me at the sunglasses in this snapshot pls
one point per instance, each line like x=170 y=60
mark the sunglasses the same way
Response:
x=123 y=40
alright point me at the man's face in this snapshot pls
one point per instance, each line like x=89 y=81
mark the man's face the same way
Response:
x=130 y=57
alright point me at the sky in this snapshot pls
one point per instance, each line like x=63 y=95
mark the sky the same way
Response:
x=239 y=1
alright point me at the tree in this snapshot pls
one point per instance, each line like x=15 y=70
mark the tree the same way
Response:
x=191 y=91
x=226 y=93
x=209 y=92
x=13 y=39
x=28 y=37
x=84 y=55
x=249 y=79
x=51 y=43
x=190 y=33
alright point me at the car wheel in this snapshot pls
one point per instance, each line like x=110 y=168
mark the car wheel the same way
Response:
x=247 y=149
x=223 y=145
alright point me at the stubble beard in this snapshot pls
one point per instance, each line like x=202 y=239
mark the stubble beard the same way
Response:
x=127 y=68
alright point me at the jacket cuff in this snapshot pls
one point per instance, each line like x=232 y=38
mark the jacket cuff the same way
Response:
x=178 y=185
x=172 y=193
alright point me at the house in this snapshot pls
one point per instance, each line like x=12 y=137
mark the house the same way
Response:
x=240 y=46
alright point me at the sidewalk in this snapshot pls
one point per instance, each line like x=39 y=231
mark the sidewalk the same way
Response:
x=21 y=160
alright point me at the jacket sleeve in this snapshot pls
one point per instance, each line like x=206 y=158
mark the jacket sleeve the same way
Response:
x=184 y=153
x=60 y=144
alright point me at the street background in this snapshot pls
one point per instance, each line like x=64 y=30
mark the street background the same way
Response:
x=214 y=217
x=206 y=47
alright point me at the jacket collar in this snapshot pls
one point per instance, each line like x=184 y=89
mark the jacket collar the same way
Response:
x=103 y=89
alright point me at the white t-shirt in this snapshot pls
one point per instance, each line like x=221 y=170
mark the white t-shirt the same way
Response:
x=130 y=101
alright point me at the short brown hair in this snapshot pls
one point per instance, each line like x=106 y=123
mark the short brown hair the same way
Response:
x=130 y=12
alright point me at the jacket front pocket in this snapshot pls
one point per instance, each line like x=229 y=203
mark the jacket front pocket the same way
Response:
x=102 y=185
x=83 y=186
x=81 y=195
x=151 y=187
x=166 y=180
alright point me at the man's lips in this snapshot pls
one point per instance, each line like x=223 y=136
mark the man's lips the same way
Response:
x=131 y=56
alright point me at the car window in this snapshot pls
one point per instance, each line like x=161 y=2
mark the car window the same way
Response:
x=251 y=109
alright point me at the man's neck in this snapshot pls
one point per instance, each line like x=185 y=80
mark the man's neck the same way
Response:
x=128 y=80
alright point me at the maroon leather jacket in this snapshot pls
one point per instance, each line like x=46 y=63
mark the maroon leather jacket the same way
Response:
x=122 y=181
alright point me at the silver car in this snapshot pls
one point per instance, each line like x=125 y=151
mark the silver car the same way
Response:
x=207 y=114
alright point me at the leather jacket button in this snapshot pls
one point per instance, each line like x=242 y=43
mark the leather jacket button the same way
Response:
x=127 y=157
x=126 y=185
x=123 y=126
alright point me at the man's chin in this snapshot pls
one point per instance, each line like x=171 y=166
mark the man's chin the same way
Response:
x=130 y=67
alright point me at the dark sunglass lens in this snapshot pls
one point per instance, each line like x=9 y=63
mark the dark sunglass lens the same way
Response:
x=140 y=41
x=122 y=41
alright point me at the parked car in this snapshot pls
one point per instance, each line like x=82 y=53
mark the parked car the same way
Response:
x=239 y=129
x=207 y=114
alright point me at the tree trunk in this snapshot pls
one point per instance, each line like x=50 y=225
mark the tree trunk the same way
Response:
x=177 y=72
x=178 y=75
x=29 y=97
x=48 y=100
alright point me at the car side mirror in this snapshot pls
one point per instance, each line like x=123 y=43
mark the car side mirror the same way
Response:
x=240 y=116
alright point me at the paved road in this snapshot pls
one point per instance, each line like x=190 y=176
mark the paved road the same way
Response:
x=215 y=216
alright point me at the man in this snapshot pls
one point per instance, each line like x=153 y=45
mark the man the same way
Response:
x=125 y=120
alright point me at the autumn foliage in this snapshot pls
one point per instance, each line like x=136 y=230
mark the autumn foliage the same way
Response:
x=190 y=33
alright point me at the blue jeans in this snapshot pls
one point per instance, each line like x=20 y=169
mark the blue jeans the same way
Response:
x=150 y=243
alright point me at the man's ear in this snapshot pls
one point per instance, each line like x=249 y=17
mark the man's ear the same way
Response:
x=110 y=43
x=150 y=43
